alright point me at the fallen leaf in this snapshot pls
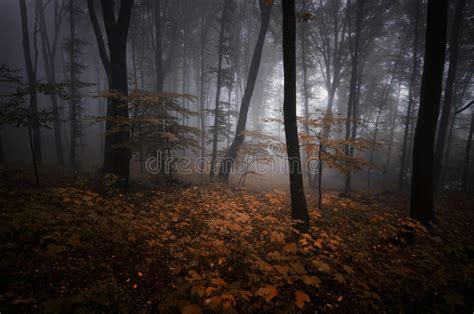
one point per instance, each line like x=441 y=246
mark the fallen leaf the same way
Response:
x=311 y=281
x=322 y=266
x=218 y=281
x=194 y=276
x=348 y=269
x=282 y=269
x=290 y=248
x=301 y=299
x=267 y=292
x=264 y=265
x=340 y=278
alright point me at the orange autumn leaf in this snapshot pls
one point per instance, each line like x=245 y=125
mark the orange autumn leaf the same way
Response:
x=290 y=248
x=277 y=237
x=301 y=299
x=282 y=269
x=267 y=292
x=319 y=244
x=193 y=276
x=322 y=266
x=348 y=269
x=218 y=281
x=245 y=294
x=264 y=265
x=298 y=268
x=339 y=278
x=311 y=281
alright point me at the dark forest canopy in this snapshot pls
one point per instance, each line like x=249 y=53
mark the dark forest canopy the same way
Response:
x=311 y=97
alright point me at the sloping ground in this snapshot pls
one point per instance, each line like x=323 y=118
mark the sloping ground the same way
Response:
x=190 y=249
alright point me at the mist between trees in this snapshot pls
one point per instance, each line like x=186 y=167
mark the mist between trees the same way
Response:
x=369 y=90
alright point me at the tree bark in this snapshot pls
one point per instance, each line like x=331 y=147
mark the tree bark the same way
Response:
x=218 y=88
x=299 y=209
x=49 y=59
x=31 y=74
x=2 y=153
x=232 y=152
x=203 y=76
x=467 y=158
x=73 y=103
x=353 y=84
x=411 y=92
x=448 y=92
x=304 y=62
x=116 y=155
x=421 y=200
x=158 y=47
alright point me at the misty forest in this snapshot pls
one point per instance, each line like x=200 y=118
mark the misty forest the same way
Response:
x=236 y=156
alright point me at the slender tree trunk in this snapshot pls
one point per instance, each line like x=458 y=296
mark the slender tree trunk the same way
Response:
x=49 y=59
x=393 y=120
x=202 y=100
x=448 y=92
x=421 y=200
x=31 y=74
x=462 y=84
x=411 y=97
x=218 y=88
x=2 y=153
x=385 y=96
x=353 y=84
x=467 y=158
x=303 y=34
x=444 y=172
x=320 y=174
x=33 y=155
x=158 y=48
x=184 y=74
x=72 y=89
x=299 y=209
x=239 y=138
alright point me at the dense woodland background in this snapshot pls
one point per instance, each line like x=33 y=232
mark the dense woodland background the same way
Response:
x=340 y=105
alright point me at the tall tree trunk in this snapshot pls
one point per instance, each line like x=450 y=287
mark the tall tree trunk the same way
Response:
x=299 y=209
x=232 y=152
x=411 y=96
x=304 y=61
x=2 y=153
x=158 y=48
x=116 y=156
x=467 y=158
x=31 y=74
x=386 y=94
x=461 y=84
x=393 y=120
x=448 y=92
x=421 y=200
x=353 y=83
x=72 y=89
x=49 y=59
x=218 y=88
x=202 y=101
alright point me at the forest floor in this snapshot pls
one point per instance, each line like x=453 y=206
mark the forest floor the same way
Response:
x=66 y=247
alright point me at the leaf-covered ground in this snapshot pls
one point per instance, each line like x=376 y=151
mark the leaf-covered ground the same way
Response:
x=67 y=248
